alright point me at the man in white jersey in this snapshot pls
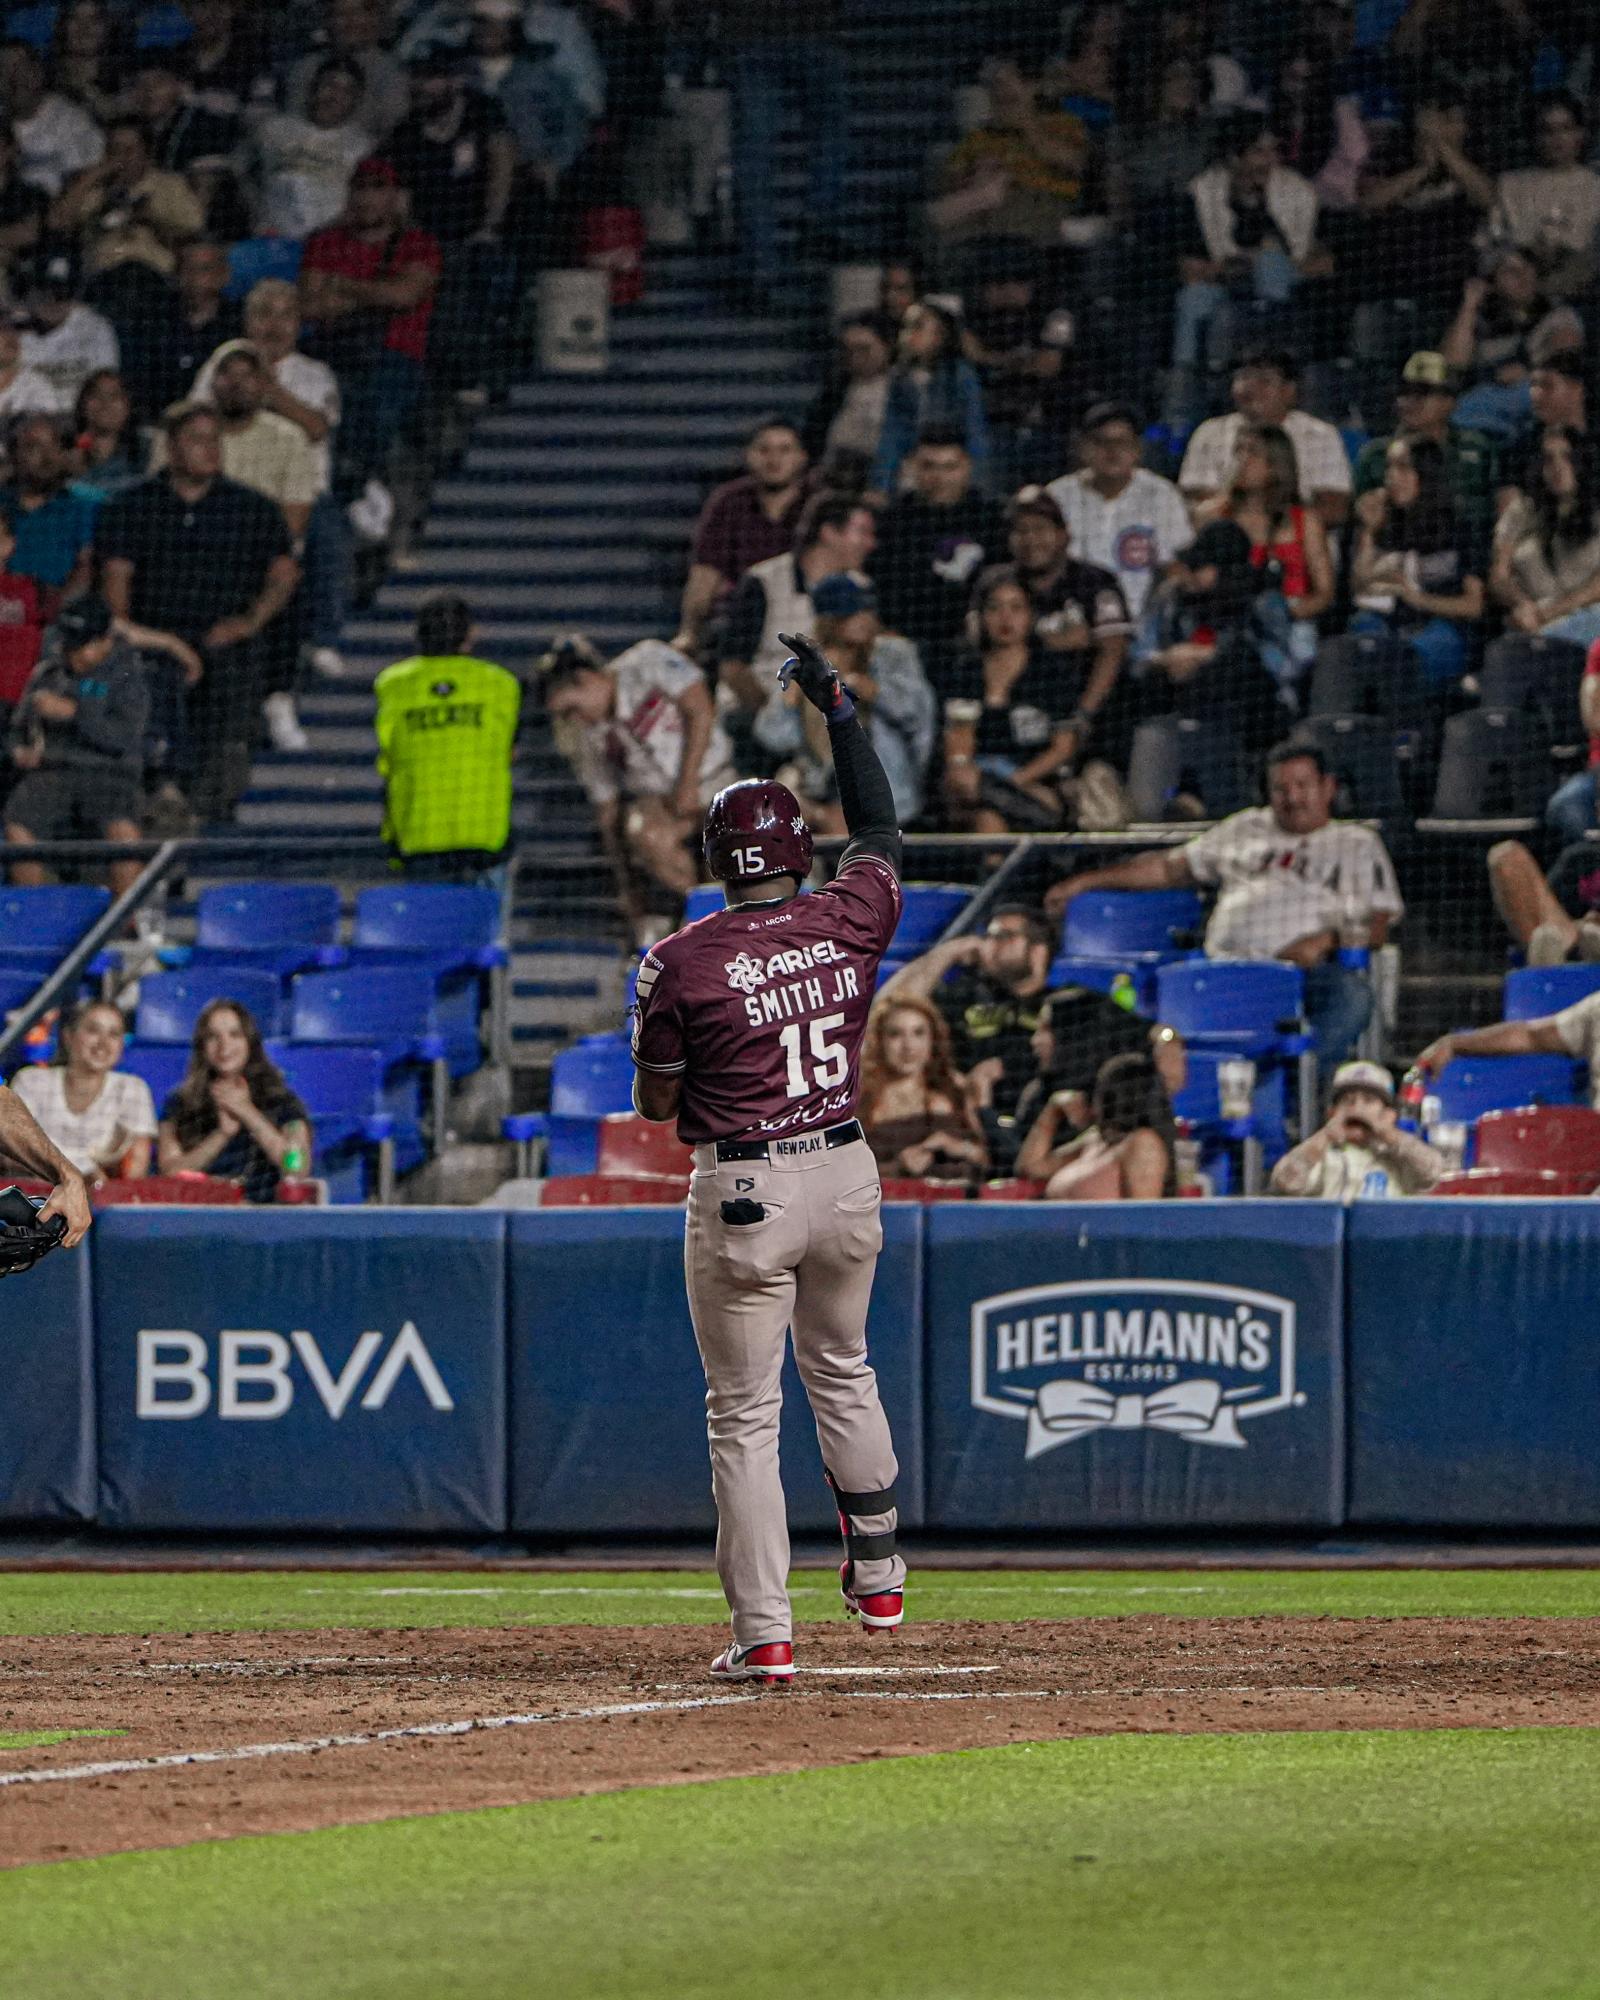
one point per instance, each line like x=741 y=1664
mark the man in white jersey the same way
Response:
x=1292 y=883
x=1121 y=516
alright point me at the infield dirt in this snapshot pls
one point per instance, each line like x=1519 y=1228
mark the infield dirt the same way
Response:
x=931 y=1687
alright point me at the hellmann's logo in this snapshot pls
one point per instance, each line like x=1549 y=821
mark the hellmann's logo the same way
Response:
x=1081 y=1360
x=256 y=1377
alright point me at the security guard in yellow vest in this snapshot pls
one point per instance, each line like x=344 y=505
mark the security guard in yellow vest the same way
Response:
x=446 y=725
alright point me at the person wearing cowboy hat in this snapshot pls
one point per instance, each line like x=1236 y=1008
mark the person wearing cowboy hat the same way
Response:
x=1360 y=1154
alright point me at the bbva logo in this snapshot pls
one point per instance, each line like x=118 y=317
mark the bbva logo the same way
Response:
x=1072 y=1361
x=253 y=1373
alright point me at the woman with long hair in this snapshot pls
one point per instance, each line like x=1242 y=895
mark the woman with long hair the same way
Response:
x=913 y=1106
x=1412 y=574
x=1546 y=566
x=1009 y=712
x=110 y=457
x=1129 y=1152
x=933 y=383
x=233 y=1115
x=87 y=59
x=102 y=1118
x=1288 y=542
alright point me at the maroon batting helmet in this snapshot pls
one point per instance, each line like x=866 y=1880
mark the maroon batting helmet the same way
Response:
x=755 y=829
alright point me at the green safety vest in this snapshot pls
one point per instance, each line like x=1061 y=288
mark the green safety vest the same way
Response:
x=445 y=731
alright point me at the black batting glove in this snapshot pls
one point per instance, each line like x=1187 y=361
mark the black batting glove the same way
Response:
x=814 y=674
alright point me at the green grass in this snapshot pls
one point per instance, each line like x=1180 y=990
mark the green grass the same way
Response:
x=1335 y=1867
x=41 y=1739
x=297 y=1600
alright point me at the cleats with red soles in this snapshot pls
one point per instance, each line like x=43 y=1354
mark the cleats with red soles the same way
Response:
x=878 y=1611
x=771 y=1665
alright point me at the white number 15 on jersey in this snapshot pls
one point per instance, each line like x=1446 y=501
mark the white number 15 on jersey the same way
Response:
x=830 y=1062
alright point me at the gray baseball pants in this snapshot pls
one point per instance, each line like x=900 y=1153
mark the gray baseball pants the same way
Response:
x=807 y=1267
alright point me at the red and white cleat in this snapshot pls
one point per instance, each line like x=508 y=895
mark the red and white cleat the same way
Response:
x=879 y=1611
x=772 y=1664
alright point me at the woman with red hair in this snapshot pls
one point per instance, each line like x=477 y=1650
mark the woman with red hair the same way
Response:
x=913 y=1102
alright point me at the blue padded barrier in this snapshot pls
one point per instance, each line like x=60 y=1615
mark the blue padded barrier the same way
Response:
x=607 y=1390
x=367 y=1392
x=47 y=1442
x=1474 y=1363
x=1135 y=1365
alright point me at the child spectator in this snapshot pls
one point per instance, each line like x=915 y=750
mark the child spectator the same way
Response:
x=111 y=456
x=1360 y=1154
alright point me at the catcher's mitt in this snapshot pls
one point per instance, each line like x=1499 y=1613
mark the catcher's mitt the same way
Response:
x=24 y=1238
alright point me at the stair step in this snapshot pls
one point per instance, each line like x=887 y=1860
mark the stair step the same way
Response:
x=456 y=496
x=574 y=427
x=537 y=600
x=541 y=401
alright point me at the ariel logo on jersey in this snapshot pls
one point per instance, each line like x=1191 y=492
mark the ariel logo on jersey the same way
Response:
x=1140 y=1354
x=745 y=973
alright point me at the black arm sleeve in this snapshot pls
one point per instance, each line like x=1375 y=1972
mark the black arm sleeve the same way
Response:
x=864 y=795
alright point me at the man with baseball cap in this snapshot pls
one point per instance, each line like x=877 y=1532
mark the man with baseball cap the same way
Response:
x=1424 y=407
x=1360 y=1154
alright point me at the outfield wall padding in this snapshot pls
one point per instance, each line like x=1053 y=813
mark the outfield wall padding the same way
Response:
x=1475 y=1363
x=302 y=1370
x=1229 y=1365
x=1150 y=1365
x=607 y=1391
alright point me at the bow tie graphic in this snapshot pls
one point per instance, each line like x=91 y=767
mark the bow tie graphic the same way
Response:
x=1067 y=1410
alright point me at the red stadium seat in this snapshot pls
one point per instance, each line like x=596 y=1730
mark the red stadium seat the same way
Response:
x=614 y=1191
x=632 y=1145
x=1516 y=1180
x=924 y=1191
x=1012 y=1190
x=188 y=1190
x=1563 y=1138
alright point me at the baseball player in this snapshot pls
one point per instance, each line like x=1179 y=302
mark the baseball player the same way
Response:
x=749 y=1032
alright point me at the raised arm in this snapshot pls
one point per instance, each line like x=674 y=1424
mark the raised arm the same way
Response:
x=1156 y=868
x=865 y=797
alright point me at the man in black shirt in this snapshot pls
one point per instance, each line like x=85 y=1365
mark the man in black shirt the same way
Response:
x=22 y=205
x=932 y=543
x=456 y=158
x=182 y=132
x=191 y=552
x=992 y=1005
x=167 y=341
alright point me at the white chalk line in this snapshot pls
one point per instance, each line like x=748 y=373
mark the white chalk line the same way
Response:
x=798 y=1587
x=311 y=1746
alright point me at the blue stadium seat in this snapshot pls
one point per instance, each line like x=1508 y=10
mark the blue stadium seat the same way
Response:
x=342 y=1088
x=163 y=1065
x=284 y=927
x=592 y=1078
x=1472 y=1085
x=703 y=901
x=1129 y=925
x=1238 y=1006
x=1533 y=991
x=391 y=1009
x=171 y=1002
x=928 y=909
x=38 y=927
x=451 y=928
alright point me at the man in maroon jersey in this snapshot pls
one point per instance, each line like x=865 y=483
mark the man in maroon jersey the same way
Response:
x=749 y=1032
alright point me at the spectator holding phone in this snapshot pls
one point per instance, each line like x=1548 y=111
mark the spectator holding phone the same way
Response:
x=1360 y=1154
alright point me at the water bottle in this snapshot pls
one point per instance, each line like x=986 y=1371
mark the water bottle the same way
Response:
x=293 y=1186
x=1124 y=993
x=1413 y=1096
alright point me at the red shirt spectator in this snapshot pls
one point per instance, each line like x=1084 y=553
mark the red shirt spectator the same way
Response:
x=20 y=632
x=368 y=242
x=1591 y=672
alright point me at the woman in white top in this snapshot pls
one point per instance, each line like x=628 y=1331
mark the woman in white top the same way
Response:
x=100 y=1117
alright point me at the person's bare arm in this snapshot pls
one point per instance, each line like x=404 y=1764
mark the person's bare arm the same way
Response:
x=325 y=295
x=283 y=579
x=739 y=677
x=1589 y=703
x=175 y=1158
x=116 y=582
x=21 y=235
x=1044 y=1150
x=656 y=1097
x=1474 y=183
x=1319 y=558
x=699 y=716
x=1311 y=949
x=74 y=208
x=699 y=594
x=1465 y=605
x=1142 y=1157
x=136 y=1161
x=1504 y=1038
x=1333 y=510
x=1384 y=190
x=1461 y=335
x=1056 y=755
x=1417 y=1164
x=146 y=639
x=23 y=1139
x=1156 y=868
x=1504 y=586
x=918 y=980
x=402 y=291
x=305 y=417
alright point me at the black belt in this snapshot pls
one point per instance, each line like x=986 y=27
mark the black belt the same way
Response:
x=756 y=1149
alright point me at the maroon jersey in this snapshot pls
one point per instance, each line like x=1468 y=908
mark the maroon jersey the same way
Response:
x=762 y=1011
